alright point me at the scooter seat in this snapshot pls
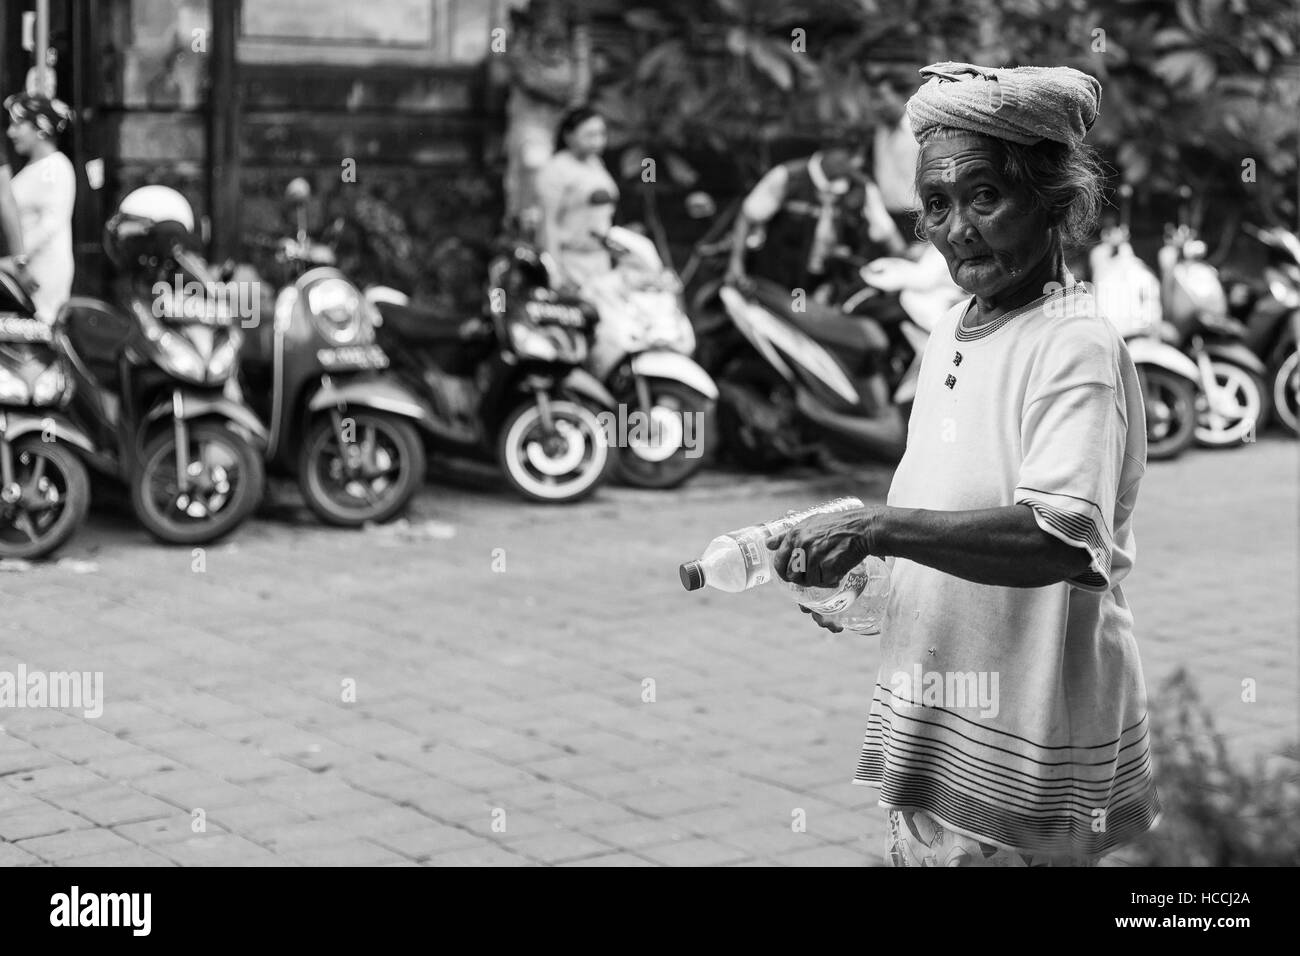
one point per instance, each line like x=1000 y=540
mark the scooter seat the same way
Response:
x=427 y=326
x=855 y=336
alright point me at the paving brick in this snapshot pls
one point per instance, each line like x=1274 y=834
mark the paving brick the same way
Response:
x=559 y=847
x=482 y=855
x=57 y=778
x=129 y=857
x=694 y=853
x=351 y=853
x=171 y=829
x=217 y=849
x=12 y=854
x=609 y=859
x=639 y=833
x=830 y=856
x=39 y=822
x=429 y=840
x=119 y=805
x=61 y=847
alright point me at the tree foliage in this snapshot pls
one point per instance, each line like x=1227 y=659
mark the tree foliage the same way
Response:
x=1203 y=93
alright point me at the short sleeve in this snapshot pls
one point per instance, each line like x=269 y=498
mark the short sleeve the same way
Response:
x=1073 y=435
x=765 y=198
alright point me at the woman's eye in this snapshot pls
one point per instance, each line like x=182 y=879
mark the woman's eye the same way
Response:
x=985 y=196
x=934 y=204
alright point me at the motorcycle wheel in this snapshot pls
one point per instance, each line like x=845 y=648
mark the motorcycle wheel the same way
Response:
x=54 y=498
x=1170 y=402
x=566 y=465
x=749 y=443
x=666 y=462
x=1286 y=391
x=392 y=469
x=230 y=477
x=1249 y=400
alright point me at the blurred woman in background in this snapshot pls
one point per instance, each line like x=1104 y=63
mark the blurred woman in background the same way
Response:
x=12 y=258
x=44 y=191
x=578 y=197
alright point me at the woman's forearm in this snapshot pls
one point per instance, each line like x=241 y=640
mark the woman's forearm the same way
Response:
x=10 y=223
x=1002 y=547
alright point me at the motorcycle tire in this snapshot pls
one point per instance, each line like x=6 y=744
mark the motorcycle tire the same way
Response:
x=159 y=459
x=69 y=480
x=352 y=502
x=1251 y=399
x=675 y=399
x=1286 y=391
x=1172 y=428
x=553 y=469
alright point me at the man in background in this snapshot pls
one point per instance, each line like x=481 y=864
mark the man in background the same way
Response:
x=805 y=209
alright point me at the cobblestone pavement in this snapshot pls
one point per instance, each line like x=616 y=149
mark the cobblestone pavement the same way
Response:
x=499 y=655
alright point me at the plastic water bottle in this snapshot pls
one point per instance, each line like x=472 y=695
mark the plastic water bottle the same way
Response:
x=858 y=602
x=740 y=560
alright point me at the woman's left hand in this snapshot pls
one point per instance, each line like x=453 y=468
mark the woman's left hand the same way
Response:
x=821 y=550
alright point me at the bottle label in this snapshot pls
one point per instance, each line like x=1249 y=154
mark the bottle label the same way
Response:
x=753 y=540
x=756 y=569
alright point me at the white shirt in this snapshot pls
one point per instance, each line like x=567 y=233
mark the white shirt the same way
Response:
x=45 y=191
x=1040 y=407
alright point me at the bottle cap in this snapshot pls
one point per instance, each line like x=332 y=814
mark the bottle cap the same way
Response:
x=692 y=575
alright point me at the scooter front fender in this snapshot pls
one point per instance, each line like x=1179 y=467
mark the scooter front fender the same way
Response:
x=678 y=368
x=1147 y=351
x=585 y=385
x=376 y=392
x=14 y=425
x=1237 y=354
x=194 y=405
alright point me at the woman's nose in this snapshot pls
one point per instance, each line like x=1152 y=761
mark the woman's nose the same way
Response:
x=961 y=232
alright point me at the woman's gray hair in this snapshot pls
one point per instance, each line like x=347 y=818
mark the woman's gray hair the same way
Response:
x=1064 y=181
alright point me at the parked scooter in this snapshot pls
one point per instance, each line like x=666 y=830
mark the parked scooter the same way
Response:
x=44 y=487
x=642 y=353
x=1232 y=400
x=509 y=384
x=796 y=378
x=1128 y=294
x=1269 y=308
x=339 y=420
x=155 y=378
x=808 y=379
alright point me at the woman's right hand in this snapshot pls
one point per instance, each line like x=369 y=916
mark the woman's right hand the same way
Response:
x=18 y=269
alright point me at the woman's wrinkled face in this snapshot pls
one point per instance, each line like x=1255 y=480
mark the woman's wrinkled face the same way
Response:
x=989 y=231
x=24 y=136
x=588 y=137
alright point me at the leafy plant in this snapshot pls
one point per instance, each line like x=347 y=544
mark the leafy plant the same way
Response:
x=1192 y=87
x=1216 y=813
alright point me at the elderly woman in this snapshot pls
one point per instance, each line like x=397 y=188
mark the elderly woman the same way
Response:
x=44 y=191
x=1009 y=723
